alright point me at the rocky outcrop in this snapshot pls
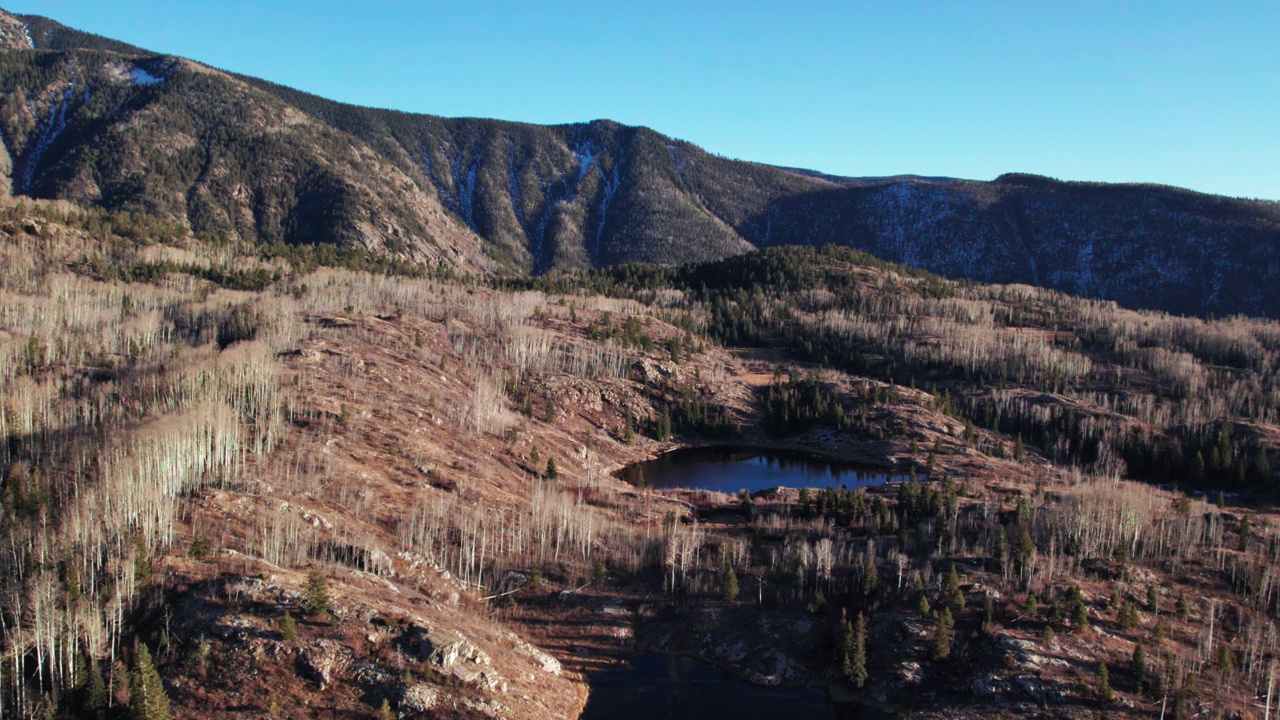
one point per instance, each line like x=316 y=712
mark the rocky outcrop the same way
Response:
x=323 y=660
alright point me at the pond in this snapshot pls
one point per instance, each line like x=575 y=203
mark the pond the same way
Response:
x=731 y=470
x=659 y=687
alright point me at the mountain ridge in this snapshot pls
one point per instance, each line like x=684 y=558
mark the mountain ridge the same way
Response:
x=527 y=198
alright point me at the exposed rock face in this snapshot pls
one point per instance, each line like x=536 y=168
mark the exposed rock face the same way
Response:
x=548 y=664
x=452 y=654
x=478 y=193
x=418 y=698
x=324 y=659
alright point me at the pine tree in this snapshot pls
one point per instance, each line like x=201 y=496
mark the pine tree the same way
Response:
x=1226 y=660
x=315 y=596
x=729 y=584
x=858 y=666
x=1184 y=607
x=147 y=699
x=1139 y=665
x=870 y=577
x=950 y=583
x=1080 y=616
x=664 y=425
x=1001 y=548
x=1105 y=693
x=95 y=694
x=844 y=646
x=553 y=472
x=1153 y=599
x=288 y=628
x=940 y=648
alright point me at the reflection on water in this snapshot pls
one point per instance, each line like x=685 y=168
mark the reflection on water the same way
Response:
x=658 y=687
x=732 y=470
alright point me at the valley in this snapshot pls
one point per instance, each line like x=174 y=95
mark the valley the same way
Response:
x=186 y=451
x=317 y=411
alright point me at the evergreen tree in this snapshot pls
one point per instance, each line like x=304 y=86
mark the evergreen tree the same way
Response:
x=1139 y=665
x=1226 y=660
x=199 y=547
x=1001 y=548
x=1184 y=607
x=1129 y=618
x=950 y=583
x=147 y=699
x=664 y=425
x=1105 y=693
x=553 y=472
x=844 y=646
x=858 y=667
x=729 y=584
x=315 y=596
x=940 y=647
x=287 y=627
x=95 y=695
x=1153 y=599
x=1080 y=616
x=870 y=577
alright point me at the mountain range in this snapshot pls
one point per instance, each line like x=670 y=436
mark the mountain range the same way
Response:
x=103 y=123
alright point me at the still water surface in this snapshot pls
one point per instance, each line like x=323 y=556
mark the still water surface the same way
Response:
x=732 y=470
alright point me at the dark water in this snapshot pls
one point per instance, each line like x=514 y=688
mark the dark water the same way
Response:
x=732 y=470
x=657 y=687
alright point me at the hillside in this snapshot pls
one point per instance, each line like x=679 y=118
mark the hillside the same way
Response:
x=195 y=433
x=486 y=193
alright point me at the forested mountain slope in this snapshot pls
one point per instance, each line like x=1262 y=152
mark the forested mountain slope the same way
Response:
x=536 y=198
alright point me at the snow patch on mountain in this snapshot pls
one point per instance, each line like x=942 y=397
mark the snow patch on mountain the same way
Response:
x=513 y=179
x=586 y=154
x=49 y=133
x=141 y=77
x=611 y=185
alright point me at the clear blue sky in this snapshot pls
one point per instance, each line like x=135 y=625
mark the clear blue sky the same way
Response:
x=1180 y=93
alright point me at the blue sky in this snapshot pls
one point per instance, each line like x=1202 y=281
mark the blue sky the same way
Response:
x=1179 y=93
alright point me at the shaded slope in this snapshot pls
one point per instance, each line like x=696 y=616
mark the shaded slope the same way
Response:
x=1142 y=245
x=173 y=139
x=251 y=159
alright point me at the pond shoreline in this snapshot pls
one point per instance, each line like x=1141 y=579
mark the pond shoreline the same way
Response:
x=732 y=468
